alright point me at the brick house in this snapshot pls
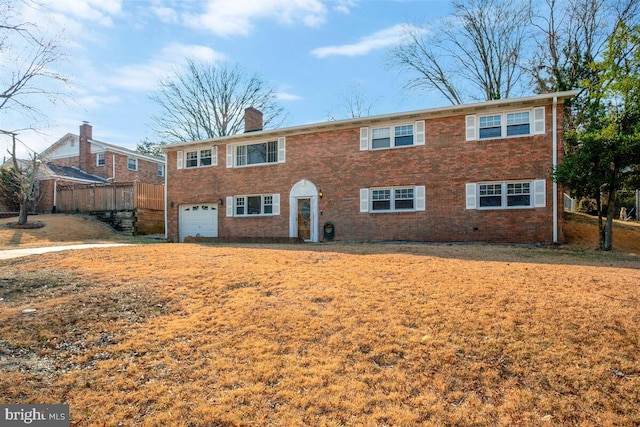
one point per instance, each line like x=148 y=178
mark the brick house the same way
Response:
x=477 y=172
x=80 y=159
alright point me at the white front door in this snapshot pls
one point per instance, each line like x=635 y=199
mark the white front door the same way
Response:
x=198 y=220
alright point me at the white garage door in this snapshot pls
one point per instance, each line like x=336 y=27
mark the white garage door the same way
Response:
x=198 y=220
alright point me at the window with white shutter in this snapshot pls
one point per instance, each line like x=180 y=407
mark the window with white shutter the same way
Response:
x=506 y=195
x=393 y=136
x=505 y=124
x=392 y=199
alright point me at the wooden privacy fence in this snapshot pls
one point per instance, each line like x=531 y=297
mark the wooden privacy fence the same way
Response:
x=109 y=197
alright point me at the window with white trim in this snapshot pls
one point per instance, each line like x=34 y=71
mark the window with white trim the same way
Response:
x=100 y=159
x=261 y=153
x=392 y=199
x=132 y=164
x=201 y=158
x=506 y=194
x=403 y=135
x=255 y=154
x=160 y=170
x=259 y=204
x=506 y=124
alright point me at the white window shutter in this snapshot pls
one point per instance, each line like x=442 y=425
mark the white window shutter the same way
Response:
x=420 y=198
x=539 y=193
x=230 y=155
x=229 y=206
x=538 y=121
x=471 y=128
x=471 y=195
x=282 y=148
x=364 y=139
x=364 y=200
x=180 y=156
x=276 y=204
x=419 y=133
x=214 y=156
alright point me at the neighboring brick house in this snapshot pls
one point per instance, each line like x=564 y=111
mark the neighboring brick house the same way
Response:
x=477 y=172
x=80 y=159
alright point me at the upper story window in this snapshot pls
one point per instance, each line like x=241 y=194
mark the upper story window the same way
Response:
x=197 y=158
x=160 y=170
x=256 y=154
x=201 y=158
x=132 y=164
x=392 y=136
x=505 y=124
x=392 y=199
x=100 y=159
x=506 y=195
x=253 y=205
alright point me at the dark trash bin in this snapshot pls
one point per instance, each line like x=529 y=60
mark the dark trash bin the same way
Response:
x=329 y=231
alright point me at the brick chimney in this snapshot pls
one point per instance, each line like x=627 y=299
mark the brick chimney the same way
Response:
x=252 y=120
x=86 y=133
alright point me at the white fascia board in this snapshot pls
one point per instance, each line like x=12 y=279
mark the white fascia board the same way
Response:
x=453 y=110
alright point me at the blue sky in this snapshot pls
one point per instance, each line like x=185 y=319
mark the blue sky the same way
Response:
x=310 y=51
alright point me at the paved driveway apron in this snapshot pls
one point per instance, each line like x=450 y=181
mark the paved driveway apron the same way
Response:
x=17 y=253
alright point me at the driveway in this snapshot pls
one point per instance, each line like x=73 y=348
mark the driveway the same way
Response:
x=17 y=253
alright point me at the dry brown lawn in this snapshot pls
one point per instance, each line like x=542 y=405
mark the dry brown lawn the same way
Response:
x=327 y=335
x=58 y=230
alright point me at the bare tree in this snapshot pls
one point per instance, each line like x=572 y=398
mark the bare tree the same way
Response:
x=206 y=100
x=27 y=75
x=23 y=180
x=570 y=36
x=353 y=104
x=476 y=53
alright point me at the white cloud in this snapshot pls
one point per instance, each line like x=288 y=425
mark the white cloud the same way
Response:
x=165 y=14
x=236 y=17
x=147 y=75
x=95 y=11
x=379 y=40
x=344 y=6
x=285 y=96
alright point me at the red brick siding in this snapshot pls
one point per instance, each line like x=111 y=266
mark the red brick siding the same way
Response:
x=67 y=161
x=45 y=203
x=147 y=170
x=333 y=162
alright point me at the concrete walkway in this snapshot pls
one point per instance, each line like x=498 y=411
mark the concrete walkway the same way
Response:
x=17 y=253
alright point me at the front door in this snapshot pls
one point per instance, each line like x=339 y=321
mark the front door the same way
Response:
x=304 y=218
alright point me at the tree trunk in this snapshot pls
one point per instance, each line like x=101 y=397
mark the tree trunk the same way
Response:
x=24 y=208
x=607 y=241
x=601 y=225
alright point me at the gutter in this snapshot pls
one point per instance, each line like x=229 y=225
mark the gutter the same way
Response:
x=372 y=120
x=555 y=164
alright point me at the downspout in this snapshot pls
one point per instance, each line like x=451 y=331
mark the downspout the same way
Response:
x=113 y=166
x=166 y=201
x=555 y=164
x=55 y=195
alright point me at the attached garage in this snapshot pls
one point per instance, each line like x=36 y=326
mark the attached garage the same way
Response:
x=199 y=220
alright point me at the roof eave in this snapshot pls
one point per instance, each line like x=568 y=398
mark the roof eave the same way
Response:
x=365 y=121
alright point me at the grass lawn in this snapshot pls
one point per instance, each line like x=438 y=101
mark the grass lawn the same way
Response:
x=325 y=335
